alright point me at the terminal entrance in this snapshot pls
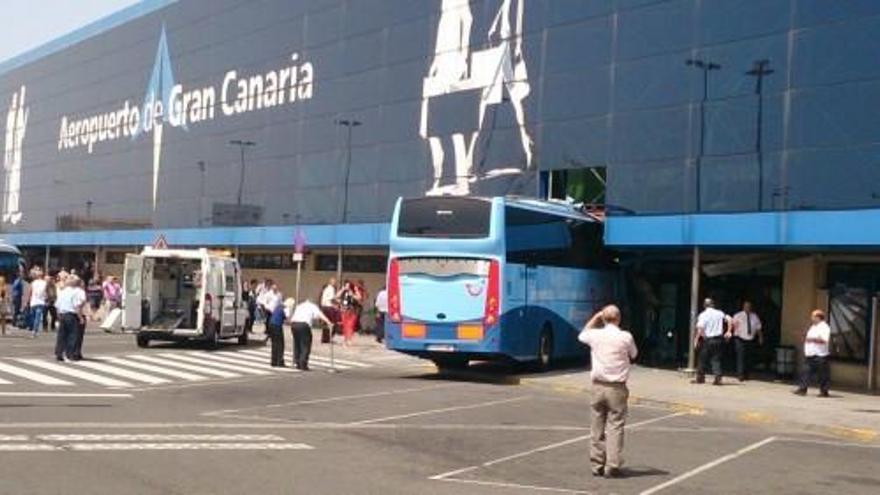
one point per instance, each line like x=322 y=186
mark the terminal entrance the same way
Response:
x=658 y=297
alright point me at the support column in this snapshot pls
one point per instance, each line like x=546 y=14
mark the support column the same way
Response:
x=46 y=264
x=695 y=308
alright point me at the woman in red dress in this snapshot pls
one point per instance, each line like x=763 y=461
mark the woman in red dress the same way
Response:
x=349 y=305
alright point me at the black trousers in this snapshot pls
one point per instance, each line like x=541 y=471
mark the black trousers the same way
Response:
x=50 y=317
x=816 y=366
x=68 y=332
x=302 y=345
x=745 y=350
x=276 y=335
x=710 y=353
x=78 y=339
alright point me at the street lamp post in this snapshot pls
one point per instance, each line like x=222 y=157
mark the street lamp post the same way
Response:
x=705 y=66
x=241 y=145
x=758 y=71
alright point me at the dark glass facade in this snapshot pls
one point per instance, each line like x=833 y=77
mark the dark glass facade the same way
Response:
x=131 y=128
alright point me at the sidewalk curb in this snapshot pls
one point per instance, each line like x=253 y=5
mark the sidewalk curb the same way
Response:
x=754 y=418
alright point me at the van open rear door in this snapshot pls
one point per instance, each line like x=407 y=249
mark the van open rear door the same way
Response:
x=133 y=290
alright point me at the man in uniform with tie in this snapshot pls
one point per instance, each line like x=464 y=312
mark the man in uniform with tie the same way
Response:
x=746 y=327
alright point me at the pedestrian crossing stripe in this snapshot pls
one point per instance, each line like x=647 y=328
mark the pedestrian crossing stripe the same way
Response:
x=161 y=368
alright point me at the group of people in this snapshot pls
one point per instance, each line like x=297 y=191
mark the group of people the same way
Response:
x=715 y=328
x=345 y=306
x=31 y=300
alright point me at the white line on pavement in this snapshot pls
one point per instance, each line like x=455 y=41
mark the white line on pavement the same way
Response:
x=5 y=382
x=189 y=367
x=64 y=395
x=124 y=373
x=185 y=446
x=263 y=425
x=149 y=437
x=544 y=448
x=708 y=466
x=440 y=410
x=32 y=375
x=830 y=443
x=329 y=399
x=244 y=365
x=315 y=357
x=26 y=447
x=153 y=369
x=13 y=438
x=516 y=485
x=215 y=363
x=76 y=373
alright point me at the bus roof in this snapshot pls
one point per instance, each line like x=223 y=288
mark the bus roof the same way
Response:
x=9 y=249
x=555 y=207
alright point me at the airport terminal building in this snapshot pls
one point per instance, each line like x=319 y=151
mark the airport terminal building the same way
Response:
x=741 y=133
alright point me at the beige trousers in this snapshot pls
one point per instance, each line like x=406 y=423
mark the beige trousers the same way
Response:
x=608 y=417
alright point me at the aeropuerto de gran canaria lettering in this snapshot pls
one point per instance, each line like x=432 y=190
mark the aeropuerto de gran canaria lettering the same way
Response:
x=237 y=93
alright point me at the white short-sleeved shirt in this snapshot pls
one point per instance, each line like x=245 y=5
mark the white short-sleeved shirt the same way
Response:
x=611 y=352
x=822 y=331
x=711 y=321
x=327 y=296
x=38 y=292
x=306 y=312
x=70 y=299
x=741 y=325
x=382 y=301
x=270 y=300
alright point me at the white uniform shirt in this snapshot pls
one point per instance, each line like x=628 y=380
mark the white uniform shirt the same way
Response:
x=711 y=321
x=611 y=352
x=382 y=301
x=822 y=331
x=38 y=292
x=269 y=300
x=327 y=296
x=741 y=327
x=70 y=300
x=306 y=312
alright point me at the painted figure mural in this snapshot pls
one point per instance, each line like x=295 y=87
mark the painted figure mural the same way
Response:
x=16 y=125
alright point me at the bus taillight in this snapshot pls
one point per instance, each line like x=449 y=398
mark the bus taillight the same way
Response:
x=394 y=291
x=490 y=313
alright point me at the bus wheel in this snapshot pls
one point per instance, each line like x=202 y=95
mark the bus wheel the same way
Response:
x=545 y=349
x=142 y=341
x=450 y=363
x=243 y=338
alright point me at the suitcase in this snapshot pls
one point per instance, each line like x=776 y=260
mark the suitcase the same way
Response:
x=113 y=321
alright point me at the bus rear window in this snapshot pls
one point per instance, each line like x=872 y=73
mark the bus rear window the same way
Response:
x=457 y=218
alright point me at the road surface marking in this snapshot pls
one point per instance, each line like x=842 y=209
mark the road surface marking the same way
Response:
x=153 y=369
x=261 y=361
x=14 y=438
x=831 y=443
x=32 y=375
x=189 y=367
x=185 y=446
x=545 y=448
x=149 y=437
x=215 y=363
x=516 y=485
x=77 y=373
x=64 y=395
x=124 y=373
x=26 y=447
x=243 y=365
x=5 y=382
x=329 y=399
x=316 y=357
x=263 y=425
x=440 y=410
x=708 y=466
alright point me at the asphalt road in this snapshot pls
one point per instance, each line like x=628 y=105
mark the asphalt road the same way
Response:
x=381 y=425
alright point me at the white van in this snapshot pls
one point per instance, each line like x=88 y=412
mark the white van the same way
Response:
x=180 y=294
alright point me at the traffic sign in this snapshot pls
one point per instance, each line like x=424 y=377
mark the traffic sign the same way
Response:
x=161 y=242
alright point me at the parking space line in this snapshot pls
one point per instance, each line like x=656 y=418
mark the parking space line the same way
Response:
x=516 y=485
x=64 y=395
x=830 y=443
x=708 y=466
x=440 y=410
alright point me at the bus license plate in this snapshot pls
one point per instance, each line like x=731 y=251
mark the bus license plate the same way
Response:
x=441 y=348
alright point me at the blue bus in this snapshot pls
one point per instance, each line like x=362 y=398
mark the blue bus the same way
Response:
x=493 y=279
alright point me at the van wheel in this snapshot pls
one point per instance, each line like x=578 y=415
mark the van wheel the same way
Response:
x=142 y=341
x=214 y=336
x=243 y=338
x=544 y=358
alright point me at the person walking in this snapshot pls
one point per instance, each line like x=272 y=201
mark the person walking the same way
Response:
x=328 y=305
x=381 y=305
x=37 y=302
x=70 y=303
x=746 y=329
x=50 y=317
x=816 y=352
x=710 y=340
x=269 y=300
x=17 y=295
x=80 y=331
x=4 y=304
x=301 y=321
x=250 y=298
x=612 y=352
x=348 y=301
x=275 y=333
